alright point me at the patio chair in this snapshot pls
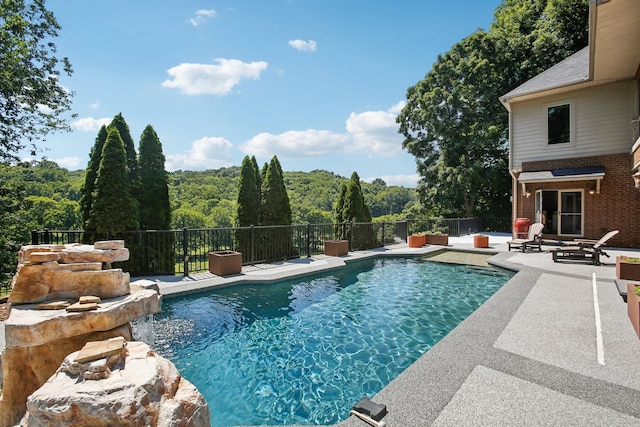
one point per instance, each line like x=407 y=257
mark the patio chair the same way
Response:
x=583 y=249
x=534 y=238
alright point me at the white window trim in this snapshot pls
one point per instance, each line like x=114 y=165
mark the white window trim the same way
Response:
x=572 y=123
x=582 y=198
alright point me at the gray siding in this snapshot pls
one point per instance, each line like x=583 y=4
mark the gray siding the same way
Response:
x=602 y=117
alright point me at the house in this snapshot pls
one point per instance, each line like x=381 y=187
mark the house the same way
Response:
x=574 y=150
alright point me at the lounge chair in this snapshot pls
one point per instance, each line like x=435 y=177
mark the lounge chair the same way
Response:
x=534 y=238
x=582 y=249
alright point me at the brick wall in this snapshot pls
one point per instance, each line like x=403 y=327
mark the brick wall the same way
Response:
x=617 y=207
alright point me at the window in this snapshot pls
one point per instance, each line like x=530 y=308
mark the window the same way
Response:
x=559 y=124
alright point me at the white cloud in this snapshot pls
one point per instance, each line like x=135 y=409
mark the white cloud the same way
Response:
x=201 y=16
x=409 y=181
x=205 y=153
x=306 y=143
x=372 y=132
x=71 y=163
x=303 y=45
x=89 y=124
x=197 y=79
x=375 y=132
x=95 y=105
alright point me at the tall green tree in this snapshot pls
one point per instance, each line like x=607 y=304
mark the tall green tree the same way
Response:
x=113 y=210
x=354 y=209
x=453 y=122
x=276 y=209
x=133 y=172
x=87 y=189
x=31 y=95
x=248 y=205
x=155 y=208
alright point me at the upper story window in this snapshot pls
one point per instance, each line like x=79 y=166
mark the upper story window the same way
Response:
x=559 y=124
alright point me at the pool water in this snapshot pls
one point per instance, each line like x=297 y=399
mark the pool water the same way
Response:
x=304 y=351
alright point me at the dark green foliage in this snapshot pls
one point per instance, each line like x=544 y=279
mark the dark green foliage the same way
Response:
x=354 y=210
x=249 y=198
x=86 y=200
x=248 y=205
x=453 y=122
x=133 y=173
x=113 y=210
x=14 y=233
x=31 y=96
x=155 y=209
x=276 y=210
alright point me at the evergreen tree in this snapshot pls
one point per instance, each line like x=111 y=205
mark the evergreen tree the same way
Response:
x=131 y=158
x=275 y=201
x=113 y=209
x=155 y=208
x=340 y=228
x=355 y=210
x=249 y=199
x=86 y=191
x=276 y=210
x=248 y=205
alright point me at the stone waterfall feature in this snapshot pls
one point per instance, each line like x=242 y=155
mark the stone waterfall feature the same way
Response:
x=63 y=297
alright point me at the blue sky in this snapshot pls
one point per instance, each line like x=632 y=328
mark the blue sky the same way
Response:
x=316 y=82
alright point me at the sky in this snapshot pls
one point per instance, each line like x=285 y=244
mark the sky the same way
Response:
x=318 y=83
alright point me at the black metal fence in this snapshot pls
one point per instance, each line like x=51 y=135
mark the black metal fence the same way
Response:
x=186 y=251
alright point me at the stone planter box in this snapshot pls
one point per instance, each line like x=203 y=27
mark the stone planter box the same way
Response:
x=225 y=262
x=627 y=270
x=480 y=241
x=336 y=247
x=633 y=307
x=416 y=240
x=438 y=239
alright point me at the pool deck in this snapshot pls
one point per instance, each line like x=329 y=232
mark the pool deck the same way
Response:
x=544 y=350
x=553 y=346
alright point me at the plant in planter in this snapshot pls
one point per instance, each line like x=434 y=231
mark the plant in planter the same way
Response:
x=627 y=268
x=633 y=305
x=417 y=240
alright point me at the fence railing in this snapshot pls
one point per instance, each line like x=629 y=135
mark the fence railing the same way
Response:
x=164 y=252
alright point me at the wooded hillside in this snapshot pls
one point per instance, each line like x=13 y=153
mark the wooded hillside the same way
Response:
x=47 y=195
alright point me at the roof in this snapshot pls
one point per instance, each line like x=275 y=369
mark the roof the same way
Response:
x=563 y=174
x=574 y=69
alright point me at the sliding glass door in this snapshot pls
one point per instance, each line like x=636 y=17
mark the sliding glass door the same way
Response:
x=561 y=211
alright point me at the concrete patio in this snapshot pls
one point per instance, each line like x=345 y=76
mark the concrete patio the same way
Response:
x=553 y=347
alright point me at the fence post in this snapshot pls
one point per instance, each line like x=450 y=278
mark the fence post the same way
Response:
x=308 y=240
x=383 y=233
x=351 y=236
x=185 y=251
x=253 y=251
x=34 y=237
x=45 y=237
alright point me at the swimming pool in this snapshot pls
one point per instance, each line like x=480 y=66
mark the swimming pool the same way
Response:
x=304 y=351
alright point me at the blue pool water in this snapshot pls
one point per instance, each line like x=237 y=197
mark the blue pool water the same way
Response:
x=304 y=351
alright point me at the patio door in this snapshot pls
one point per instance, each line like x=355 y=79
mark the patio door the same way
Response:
x=570 y=213
x=560 y=211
